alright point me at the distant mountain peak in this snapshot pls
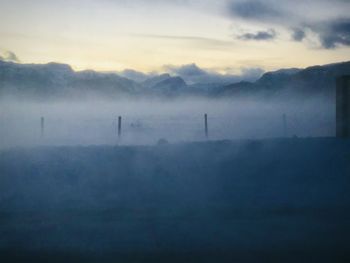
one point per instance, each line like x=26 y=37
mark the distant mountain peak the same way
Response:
x=150 y=82
x=173 y=81
x=60 y=80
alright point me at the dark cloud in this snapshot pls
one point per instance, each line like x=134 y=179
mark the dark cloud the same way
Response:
x=333 y=30
x=298 y=34
x=254 y=10
x=260 y=35
x=334 y=34
x=331 y=34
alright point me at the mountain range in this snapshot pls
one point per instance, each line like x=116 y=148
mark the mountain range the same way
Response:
x=60 y=80
x=315 y=80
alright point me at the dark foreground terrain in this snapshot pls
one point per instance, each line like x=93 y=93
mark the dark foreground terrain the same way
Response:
x=251 y=201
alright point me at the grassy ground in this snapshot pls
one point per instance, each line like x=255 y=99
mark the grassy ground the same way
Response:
x=244 y=201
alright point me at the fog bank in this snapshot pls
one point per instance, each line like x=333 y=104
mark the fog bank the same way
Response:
x=145 y=121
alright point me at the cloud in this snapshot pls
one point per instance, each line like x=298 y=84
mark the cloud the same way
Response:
x=328 y=20
x=191 y=73
x=298 y=34
x=254 y=10
x=334 y=34
x=203 y=42
x=190 y=70
x=135 y=75
x=9 y=56
x=260 y=35
x=251 y=74
x=12 y=56
x=331 y=34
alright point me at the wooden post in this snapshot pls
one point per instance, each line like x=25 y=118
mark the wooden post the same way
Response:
x=119 y=127
x=206 y=125
x=343 y=107
x=42 y=127
x=284 y=120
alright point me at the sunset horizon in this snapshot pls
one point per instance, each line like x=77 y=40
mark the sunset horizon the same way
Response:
x=224 y=37
x=175 y=131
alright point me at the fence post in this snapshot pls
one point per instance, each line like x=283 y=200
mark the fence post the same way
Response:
x=206 y=125
x=284 y=119
x=42 y=127
x=343 y=107
x=119 y=127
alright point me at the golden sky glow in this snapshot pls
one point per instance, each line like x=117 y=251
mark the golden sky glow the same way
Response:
x=146 y=35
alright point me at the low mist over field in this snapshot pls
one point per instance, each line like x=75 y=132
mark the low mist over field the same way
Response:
x=175 y=131
x=81 y=108
x=145 y=121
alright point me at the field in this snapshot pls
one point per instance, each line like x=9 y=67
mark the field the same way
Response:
x=275 y=200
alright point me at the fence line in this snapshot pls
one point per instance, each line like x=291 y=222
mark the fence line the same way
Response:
x=288 y=124
x=136 y=129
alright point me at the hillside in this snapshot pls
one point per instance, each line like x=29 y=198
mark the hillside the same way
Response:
x=59 y=80
x=316 y=80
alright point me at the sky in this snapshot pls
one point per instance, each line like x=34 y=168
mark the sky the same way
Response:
x=221 y=36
